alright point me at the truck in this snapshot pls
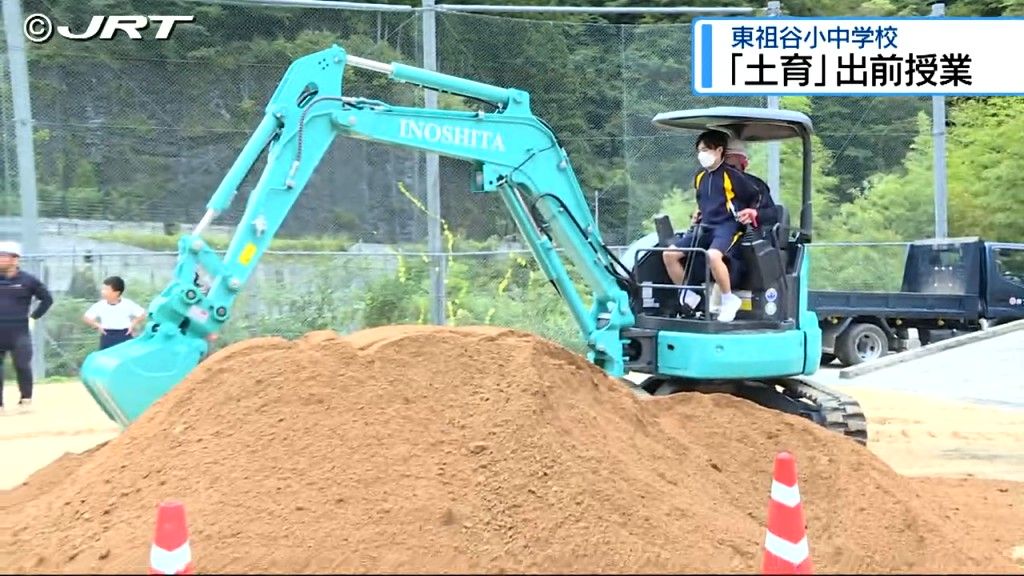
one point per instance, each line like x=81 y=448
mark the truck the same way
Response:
x=950 y=286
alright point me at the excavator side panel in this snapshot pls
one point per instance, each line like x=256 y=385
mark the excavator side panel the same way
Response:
x=732 y=355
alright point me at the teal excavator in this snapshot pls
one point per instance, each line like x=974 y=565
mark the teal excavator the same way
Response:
x=633 y=324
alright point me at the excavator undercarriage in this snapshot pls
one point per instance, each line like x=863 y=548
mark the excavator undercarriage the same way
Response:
x=829 y=408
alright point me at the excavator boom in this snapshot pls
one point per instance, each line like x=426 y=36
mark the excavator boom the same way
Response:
x=515 y=154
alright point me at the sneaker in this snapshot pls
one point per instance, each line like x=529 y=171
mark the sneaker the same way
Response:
x=731 y=304
x=25 y=404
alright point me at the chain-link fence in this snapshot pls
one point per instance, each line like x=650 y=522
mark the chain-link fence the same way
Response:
x=132 y=137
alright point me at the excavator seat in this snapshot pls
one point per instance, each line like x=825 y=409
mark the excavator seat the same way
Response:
x=767 y=267
x=776 y=226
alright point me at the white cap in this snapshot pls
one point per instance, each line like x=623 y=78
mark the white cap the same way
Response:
x=736 y=146
x=10 y=247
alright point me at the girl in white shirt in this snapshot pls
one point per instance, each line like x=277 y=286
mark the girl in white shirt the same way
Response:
x=115 y=316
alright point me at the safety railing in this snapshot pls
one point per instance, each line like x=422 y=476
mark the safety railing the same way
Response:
x=677 y=288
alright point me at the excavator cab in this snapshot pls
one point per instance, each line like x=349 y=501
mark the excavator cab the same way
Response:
x=768 y=270
x=774 y=334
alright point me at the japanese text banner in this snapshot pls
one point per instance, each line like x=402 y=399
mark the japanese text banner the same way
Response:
x=863 y=56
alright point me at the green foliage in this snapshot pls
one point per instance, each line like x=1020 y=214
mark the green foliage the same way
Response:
x=506 y=290
x=402 y=299
x=983 y=175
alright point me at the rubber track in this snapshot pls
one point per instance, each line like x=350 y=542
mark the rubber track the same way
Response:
x=824 y=406
x=837 y=411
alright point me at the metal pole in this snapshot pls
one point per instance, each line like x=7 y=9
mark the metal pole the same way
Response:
x=491 y=8
x=939 y=149
x=7 y=149
x=326 y=4
x=434 y=246
x=22 y=108
x=774 y=156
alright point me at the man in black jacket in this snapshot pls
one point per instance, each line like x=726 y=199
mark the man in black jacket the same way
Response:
x=17 y=288
x=765 y=210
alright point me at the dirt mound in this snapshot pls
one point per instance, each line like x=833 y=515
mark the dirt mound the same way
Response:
x=417 y=449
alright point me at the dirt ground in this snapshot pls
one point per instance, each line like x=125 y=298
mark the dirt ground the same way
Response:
x=64 y=419
x=494 y=450
x=915 y=435
x=919 y=436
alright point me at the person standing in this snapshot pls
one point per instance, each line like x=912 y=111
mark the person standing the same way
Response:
x=17 y=288
x=113 y=315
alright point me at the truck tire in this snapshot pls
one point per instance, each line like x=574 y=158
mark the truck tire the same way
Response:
x=861 y=343
x=827 y=358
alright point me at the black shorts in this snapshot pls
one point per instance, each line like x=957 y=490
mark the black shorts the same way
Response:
x=722 y=237
x=114 y=337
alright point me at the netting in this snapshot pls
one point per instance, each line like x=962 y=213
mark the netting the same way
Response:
x=132 y=138
x=145 y=131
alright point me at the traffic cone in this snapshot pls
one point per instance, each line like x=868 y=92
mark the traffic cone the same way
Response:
x=785 y=542
x=170 y=552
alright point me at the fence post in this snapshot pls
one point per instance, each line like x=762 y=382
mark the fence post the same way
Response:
x=434 y=246
x=22 y=107
x=774 y=160
x=939 y=149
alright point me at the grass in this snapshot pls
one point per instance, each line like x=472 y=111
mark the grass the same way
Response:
x=57 y=380
x=166 y=243
x=323 y=243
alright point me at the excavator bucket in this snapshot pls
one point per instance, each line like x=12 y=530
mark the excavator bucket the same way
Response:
x=127 y=378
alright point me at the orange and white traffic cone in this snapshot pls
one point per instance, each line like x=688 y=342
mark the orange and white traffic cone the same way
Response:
x=170 y=552
x=785 y=543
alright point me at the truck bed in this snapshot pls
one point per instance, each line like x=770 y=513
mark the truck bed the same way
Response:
x=893 y=304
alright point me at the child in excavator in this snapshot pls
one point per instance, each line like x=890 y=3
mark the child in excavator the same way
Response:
x=727 y=200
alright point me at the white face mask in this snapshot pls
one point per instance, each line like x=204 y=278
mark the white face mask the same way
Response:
x=706 y=159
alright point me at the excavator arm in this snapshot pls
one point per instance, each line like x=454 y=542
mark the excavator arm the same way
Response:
x=515 y=155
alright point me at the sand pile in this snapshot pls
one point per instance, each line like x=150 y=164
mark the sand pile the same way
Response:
x=451 y=450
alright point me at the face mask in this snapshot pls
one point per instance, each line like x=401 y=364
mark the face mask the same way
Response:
x=706 y=159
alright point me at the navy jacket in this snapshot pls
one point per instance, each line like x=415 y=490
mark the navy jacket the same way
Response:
x=766 y=207
x=723 y=192
x=16 y=294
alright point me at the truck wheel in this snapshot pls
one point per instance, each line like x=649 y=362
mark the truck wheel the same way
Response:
x=827 y=358
x=861 y=343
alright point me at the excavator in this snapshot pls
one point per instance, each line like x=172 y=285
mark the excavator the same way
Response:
x=633 y=324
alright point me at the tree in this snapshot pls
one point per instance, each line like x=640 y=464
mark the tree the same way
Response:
x=985 y=181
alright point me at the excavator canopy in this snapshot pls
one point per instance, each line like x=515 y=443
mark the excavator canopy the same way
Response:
x=748 y=124
x=754 y=125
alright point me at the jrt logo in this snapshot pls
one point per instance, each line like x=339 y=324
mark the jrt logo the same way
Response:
x=39 y=28
x=454 y=135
